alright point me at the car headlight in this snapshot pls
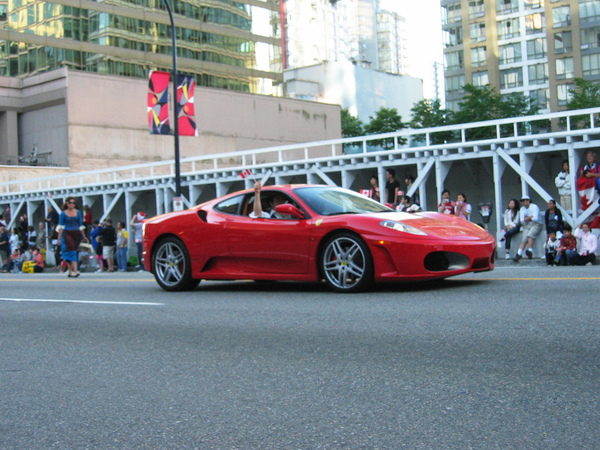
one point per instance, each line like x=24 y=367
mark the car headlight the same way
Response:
x=399 y=226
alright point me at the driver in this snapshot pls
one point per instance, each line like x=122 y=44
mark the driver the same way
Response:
x=276 y=200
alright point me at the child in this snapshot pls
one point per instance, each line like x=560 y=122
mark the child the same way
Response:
x=551 y=248
x=567 y=242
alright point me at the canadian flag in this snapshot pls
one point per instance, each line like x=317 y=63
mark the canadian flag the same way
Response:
x=587 y=191
x=245 y=173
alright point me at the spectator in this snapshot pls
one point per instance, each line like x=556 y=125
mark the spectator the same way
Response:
x=136 y=222
x=446 y=206
x=409 y=180
x=374 y=194
x=392 y=187
x=122 y=237
x=40 y=240
x=4 y=245
x=551 y=248
x=31 y=236
x=15 y=263
x=51 y=220
x=532 y=225
x=404 y=204
x=108 y=238
x=592 y=168
x=512 y=223
x=23 y=231
x=87 y=217
x=95 y=241
x=463 y=209
x=553 y=218
x=6 y=216
x=563 y=183
x=38 y=260
x=587 y=248
x=55 y=246
x=14 y=241
x=567 y=242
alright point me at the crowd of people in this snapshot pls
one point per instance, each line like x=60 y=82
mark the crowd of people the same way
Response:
x=73 y=238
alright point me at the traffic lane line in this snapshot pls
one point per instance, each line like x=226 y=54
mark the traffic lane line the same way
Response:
x=91 y=302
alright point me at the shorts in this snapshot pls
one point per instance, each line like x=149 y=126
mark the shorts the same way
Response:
x=531 y=230
x=108 y=251
x=3 y=255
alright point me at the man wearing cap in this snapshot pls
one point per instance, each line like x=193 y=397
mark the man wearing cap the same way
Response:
x=532 y=225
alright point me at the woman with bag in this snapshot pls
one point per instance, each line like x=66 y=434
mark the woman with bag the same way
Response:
x=70 y=233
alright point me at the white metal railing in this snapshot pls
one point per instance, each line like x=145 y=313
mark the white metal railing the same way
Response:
x=418 y=143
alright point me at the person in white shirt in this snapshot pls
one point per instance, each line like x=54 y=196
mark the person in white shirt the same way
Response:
x=563 y=183
x=532 y=225
x=587 y=247
x=275 y=201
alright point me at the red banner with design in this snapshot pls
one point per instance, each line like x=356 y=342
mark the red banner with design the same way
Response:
x=185 y=106
x=158 y=102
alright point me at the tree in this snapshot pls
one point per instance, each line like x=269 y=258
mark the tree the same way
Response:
x=351 y=126
x=585 y=94
x=430 y=114
x=386 y=120
x=483 y=103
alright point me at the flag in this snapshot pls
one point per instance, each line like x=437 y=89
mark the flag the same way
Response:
x=366 y=192
x=245 y=173
x=158 y=102
x=186 y=122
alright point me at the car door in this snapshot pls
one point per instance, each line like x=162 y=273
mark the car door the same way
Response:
x=269 y=245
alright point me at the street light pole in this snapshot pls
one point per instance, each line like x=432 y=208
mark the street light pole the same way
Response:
x=175 y=102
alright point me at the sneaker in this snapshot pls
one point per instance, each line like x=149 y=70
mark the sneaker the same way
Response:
x=517 y=258
x=500 y=245
x=507 y=255
x=98 y=271
x=529 y=254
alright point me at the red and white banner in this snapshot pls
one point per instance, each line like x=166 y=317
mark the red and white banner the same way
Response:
x=245 y=173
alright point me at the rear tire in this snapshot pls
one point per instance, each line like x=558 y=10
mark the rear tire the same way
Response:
x=171 y=266
x=346 y=263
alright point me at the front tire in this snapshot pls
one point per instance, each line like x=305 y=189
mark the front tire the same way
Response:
x=171 y=266
x=346 y=263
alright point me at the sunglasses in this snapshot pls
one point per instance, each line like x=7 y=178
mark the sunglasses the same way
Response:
x=71 y=202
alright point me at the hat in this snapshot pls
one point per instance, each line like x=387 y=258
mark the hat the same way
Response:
x=525 y=197
x=141 y=216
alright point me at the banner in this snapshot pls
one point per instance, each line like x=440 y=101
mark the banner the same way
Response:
x=158 y=102
x=185 y=106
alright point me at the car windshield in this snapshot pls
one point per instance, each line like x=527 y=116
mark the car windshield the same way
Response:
x=328 y=201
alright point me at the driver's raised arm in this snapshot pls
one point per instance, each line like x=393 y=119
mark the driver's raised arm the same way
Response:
x=257 y=203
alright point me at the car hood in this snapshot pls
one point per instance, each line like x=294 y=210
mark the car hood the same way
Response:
x=440 y=225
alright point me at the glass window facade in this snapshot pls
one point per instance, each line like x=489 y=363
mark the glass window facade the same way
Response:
x=510 y=53
x=225 y=44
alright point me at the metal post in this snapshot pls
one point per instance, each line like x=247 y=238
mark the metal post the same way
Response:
x=175 y=121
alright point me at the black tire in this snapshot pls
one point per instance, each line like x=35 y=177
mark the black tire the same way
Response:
x=346 y=263
x=171 y=266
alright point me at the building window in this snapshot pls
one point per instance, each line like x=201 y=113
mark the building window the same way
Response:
x=534 y=23
x=563 y=42
x=476 y=9
x=590 y=37
x=589 y=10
x=538 y=73
x=453 y=37
x=563 y=95
x=455 y=84
x=507 y=6
x=533 y=4
x=565 y=68
x=451 y=13
x=591 y=64
x=481 y=78
x=541 y=98
x=510 y=53
x=477 y=32
x=537 y=49
x=561 y=16
x=511 y=78
x=454 y=60
x=478 y=57
x=509 y=28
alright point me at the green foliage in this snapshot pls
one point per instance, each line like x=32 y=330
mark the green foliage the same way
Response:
x=430 y=114
x=586 y=94
x=351 y=126
x=386 y=120
x=483 y=103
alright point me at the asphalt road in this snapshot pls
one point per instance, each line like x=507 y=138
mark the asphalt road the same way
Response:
x=505 y=359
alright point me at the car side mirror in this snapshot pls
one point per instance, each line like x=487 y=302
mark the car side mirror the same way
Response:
x=289 y=210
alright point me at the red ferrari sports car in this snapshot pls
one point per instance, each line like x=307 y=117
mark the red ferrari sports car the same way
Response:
x=311 y=233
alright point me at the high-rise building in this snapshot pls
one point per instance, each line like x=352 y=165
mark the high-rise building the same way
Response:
x=536 y=47
x=226 y=44
x=392 y=43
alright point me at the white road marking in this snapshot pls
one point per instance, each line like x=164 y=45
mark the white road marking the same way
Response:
x=49 y=300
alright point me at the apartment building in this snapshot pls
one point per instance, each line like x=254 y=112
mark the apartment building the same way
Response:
x=536 y=47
